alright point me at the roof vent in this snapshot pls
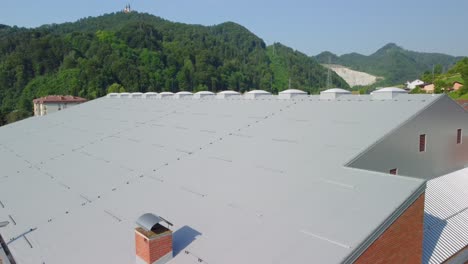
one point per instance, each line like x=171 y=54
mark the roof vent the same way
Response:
x=333 y=93
x=387 y=93
x=153 y=242
x=257 y=94
x=203 y=95
x=292 y=93
x=228 y=94
x=124 y=95
x=183 y=95
x=112 y=95
x=150 y=95
x=136 y=95
x=165 y=95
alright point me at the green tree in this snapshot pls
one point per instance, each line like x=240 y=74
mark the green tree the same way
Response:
x=441 y=85
x=438 y=69
x=115 y=88
x=17 y=115
x=417 y=90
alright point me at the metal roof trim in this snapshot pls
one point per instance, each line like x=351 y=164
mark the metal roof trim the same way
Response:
x=351 y=258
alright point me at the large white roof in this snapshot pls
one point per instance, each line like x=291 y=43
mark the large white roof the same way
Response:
x=258 y=176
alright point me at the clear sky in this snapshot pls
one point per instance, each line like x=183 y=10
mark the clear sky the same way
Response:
x=311 y=26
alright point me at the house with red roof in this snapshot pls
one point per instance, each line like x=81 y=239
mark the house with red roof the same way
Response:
x=457 y=86
x=53 y=103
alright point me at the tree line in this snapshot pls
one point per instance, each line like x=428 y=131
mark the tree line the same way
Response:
x=140 y=53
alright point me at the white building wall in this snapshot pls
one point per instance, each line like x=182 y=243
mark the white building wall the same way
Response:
x=48 y=108
x=400 y=149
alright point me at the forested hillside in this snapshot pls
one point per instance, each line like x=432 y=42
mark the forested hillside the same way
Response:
x=392 y=62
x=443 y=81
x=300 y=69
x=141 y=52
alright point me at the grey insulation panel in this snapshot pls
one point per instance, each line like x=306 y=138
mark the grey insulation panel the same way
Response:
x=264 y=177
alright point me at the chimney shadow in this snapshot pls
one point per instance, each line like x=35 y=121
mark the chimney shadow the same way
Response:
x=433 y=228
x=182 y=238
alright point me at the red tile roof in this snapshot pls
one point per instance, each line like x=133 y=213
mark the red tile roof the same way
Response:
x=59 y=99
x=463 y=103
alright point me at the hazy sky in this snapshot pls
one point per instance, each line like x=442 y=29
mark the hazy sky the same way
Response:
x=311 y=26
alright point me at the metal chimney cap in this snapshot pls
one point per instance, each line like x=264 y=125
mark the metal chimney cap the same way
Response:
x=149 y=220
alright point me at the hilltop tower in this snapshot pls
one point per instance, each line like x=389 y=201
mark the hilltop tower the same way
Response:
x=127 y=9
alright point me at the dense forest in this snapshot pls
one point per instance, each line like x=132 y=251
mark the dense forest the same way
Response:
x=141 y=52
x=395 y=64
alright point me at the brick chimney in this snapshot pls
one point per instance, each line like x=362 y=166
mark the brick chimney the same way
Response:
x=153 y=242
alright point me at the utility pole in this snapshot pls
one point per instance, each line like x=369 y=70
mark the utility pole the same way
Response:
x=433 y=67
x=329 y=73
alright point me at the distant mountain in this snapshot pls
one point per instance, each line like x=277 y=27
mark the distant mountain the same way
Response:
x=301 y=70
x=142 y=52
x=392 y=62
x=327 y=57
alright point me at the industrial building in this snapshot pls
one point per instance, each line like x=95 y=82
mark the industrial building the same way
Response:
x=336 y=178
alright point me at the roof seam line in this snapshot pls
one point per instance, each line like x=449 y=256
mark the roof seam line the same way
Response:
x=305 y=232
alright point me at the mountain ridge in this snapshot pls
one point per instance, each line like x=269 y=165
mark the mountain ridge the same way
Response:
x=391 y=61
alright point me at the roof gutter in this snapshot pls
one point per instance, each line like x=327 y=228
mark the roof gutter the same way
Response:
x=386 y=224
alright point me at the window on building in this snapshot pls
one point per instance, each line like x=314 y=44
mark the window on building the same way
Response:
x=459 y=136
x=422 y=143
x=394 y=171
